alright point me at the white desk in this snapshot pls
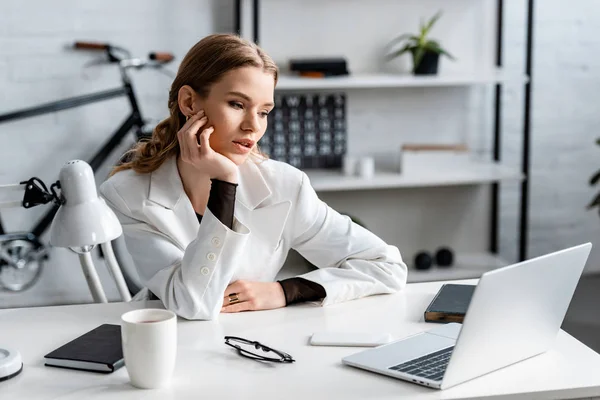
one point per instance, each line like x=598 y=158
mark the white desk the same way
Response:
x=208 y=369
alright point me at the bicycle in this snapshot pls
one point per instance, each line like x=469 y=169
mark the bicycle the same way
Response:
x=22 y=254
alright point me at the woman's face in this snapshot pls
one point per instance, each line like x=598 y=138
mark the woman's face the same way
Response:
x=237 y=107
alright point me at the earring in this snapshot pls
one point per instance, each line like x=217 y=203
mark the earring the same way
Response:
x=187 y=117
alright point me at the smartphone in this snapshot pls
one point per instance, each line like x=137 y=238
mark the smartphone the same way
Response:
x=350 y=339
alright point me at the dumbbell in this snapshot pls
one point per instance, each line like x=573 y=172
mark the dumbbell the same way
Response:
x=444 y=257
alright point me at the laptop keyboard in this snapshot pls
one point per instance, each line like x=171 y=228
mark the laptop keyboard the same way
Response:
x=432 y=366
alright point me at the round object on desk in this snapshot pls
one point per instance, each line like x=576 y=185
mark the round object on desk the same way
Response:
x=444 y=257
x=423 y=260
x=11 y=364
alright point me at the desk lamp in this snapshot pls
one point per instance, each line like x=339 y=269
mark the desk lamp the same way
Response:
x=83 y=221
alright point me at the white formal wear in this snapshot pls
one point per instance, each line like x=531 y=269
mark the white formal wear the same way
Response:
x=188 y=264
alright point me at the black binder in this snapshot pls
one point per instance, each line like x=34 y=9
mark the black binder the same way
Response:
x=98 y=350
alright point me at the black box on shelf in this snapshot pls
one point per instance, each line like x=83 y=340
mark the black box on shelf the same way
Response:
x=307 y=130
x=326 y=66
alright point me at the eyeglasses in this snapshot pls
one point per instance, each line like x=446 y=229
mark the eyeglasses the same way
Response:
x=239 y=343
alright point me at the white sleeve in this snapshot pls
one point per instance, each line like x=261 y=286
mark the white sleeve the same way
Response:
x=189 y=282
x=352 y=261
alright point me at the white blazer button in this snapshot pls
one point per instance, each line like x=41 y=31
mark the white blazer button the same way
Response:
x=216 y=241
x=204 y=271
x=211 y=256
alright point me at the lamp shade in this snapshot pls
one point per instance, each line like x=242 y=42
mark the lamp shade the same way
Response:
x=84 y=220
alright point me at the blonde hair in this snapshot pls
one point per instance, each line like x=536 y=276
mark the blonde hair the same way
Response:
x=204 y=65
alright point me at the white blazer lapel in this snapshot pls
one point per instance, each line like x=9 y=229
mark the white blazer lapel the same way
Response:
x=266 y=221
x=171 y=212
x=168 y=207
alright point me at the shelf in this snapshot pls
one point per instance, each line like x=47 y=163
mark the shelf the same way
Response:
x=371 y=81
x=467 y=266
x=434 y=175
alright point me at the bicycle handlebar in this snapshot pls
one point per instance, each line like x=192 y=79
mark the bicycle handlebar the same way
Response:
x=122 y=56
x=161 y=56
x=91 y=46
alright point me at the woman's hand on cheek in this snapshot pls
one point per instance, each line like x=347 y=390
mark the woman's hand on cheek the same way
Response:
x=253 y=296
x=195 y=149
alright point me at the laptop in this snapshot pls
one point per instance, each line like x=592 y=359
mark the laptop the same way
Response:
x=515 y=313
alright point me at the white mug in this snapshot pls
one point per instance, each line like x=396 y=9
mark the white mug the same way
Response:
x=366 y=167
x=149 y=339
x=349 y=165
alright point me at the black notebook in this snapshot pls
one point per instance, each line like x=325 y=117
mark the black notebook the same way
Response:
x=450 y=303
x=98 y=350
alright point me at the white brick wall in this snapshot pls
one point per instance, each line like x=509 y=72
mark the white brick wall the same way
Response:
x=564 y=126
x=35 y=67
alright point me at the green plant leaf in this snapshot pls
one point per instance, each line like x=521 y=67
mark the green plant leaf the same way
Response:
x=400 y=39
x=435 y=47
x=444 y=52
x=594 y=179
x=431 y=46
x=419 y=53
x=398 y=53
x=598 y=141
x=431 y=22
x=595 y=202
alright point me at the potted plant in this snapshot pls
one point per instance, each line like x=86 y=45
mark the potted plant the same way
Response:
x=594 y=180
x=425 y=52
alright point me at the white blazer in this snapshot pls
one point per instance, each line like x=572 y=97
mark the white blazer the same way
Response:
x=188 y=264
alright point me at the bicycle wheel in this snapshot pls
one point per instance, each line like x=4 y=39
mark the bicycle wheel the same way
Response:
x=21 y=263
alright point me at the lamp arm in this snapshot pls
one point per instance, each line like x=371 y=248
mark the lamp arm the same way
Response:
x=113 y=267
x=9 y=193
x=92 y=278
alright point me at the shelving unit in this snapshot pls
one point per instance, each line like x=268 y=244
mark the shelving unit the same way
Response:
x=463 y=174
x=375 y=81
x=484 y=172
x=466 y=266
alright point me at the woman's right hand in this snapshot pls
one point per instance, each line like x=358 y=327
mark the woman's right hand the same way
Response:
x=201 y=156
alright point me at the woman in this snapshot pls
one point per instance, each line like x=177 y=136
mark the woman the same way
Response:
x=209 y=221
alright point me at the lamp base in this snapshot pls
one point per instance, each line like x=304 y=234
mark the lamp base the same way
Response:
x=11 y=364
